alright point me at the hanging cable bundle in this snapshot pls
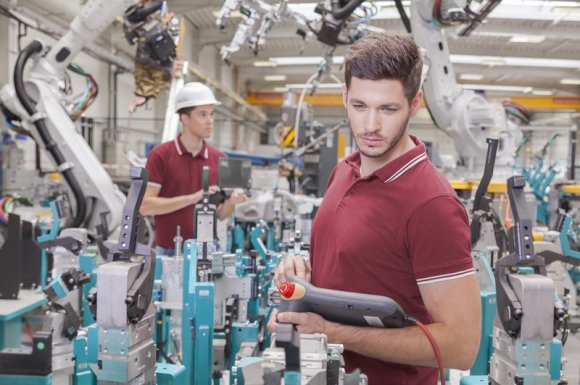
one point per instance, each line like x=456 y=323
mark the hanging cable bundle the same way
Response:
x=89 y=95
x=517 y=111
x=8 y=203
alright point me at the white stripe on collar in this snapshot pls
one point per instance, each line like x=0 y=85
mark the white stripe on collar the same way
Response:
x=205 y=154
x=413 y=162
x=177 y=147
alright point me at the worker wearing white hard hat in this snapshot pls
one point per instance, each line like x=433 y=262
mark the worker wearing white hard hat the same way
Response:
x=175 y=170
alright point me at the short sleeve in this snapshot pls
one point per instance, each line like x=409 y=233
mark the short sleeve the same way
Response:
x=438 y=239
x=155 y=168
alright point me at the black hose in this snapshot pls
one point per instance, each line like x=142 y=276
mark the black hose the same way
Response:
x=344 y=12
x=140 y=14
x=403 y=14
x=29 y=105
x=492 y=145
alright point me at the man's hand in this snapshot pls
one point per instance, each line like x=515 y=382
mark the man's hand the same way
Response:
x=198 y=196
x=238 y=196
x=292 y=265
x=307 y=323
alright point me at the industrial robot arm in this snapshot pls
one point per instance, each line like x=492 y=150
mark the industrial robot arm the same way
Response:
x=38 y=101
x=465 y=115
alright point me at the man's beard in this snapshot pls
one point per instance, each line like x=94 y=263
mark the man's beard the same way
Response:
x=390 y=145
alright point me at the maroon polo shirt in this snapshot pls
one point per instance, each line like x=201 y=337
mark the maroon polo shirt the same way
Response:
x=178 y=172
x=387 y=234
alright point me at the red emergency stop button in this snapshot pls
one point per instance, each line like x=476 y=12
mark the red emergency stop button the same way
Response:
x=287 y=289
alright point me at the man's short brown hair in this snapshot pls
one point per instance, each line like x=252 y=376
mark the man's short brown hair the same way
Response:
x=386 y=55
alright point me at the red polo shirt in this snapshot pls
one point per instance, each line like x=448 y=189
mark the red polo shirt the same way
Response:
x=177 y=172
x=386 y=234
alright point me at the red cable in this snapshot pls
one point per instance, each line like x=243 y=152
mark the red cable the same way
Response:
x=435 y=349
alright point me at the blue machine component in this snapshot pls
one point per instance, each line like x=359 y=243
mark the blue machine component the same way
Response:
x=45 y=237
x=240 y=333
x=83 y=374
x=25 y=380
x=239 y=238
x=474 y=380
x=58 y=287
x=197 y=322
x=92 y=343
x=88 y=263
x=541 y=191
x=170 y=374
x=256 y=159
x=292 y=378
x=565 y=241
x=555 y=359
x=237 y=372
x=488 y=312
x=256 y=235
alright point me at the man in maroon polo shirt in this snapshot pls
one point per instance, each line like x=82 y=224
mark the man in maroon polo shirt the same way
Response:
x=390 y=224
x=175 y=170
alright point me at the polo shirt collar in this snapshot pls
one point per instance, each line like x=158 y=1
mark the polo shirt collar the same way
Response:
x=398 y=166
x=204 y=153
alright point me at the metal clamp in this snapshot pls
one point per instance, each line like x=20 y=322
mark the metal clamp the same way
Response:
x=65 y=166
x=36 y=117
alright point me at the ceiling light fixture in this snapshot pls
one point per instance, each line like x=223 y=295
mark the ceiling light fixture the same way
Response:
x=495 y=87
x=275 y=78
x=471 y=76
x=492 y=62
x=233 y=14
x=570 y=81
x=264 y=64
x=527 y=39
x=542 y=92
x=455 y=59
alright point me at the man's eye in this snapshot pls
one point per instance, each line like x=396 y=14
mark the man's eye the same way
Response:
x=389 y=109
x=358 y=106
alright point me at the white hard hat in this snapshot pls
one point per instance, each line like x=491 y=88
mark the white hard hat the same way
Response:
x=194 y=94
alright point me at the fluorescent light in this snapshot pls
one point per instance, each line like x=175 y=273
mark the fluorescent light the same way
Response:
x=264 y=64
x=471 y=76
x=542 y=92
x=304 y=60
x=280 y=89
x=507 y=9
x=328 y=86
x=527 y=39
x=234 y=13
x=455 y=59
x=541 y=3
x=515 y=61
x=275 y=78
x=570 y=81
x=492 y=62
x=493 y=87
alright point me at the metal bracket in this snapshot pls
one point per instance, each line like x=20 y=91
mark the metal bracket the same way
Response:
x=509 y=307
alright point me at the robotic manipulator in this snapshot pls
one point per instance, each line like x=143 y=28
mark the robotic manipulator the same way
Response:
x=337 y=25
x=464 y=115
x=39 y=102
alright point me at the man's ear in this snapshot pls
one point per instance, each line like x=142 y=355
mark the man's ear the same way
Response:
x=183 y=118
x=344 y=94
x=416 y=103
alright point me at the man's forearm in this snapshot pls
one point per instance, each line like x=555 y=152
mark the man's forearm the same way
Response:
x=225 y=210
x=407 y=346
x=160 y=206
